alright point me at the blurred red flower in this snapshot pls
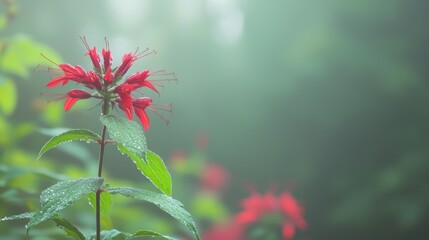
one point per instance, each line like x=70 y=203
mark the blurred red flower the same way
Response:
x=226 y=231
x=257 y=206
x=213 y=177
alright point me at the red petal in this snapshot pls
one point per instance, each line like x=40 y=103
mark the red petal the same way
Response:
x=138 y=77
x=126 y=103
x=69 y=103
x=148 y=84
x=80 y=72
x=107 y=58
x=57 y=81
x=79 y=94
x=142 y=103
x=144 y=119
x=67 y=68
x=95 y=58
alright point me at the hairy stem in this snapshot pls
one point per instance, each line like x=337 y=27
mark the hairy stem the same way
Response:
x=100 y=169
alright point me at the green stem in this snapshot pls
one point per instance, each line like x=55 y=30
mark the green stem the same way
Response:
x=100 y=168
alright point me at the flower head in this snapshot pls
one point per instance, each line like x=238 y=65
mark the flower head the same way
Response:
x=108 y=84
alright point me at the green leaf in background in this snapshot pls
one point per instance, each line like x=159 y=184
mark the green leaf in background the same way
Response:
x=208 y=207
x=127 y=133
x=24 y=129
x=53 y=114
x=107 y=234
x=22 y=55
x=3 y=21
x=9 y=172
x=164 y=202
x=105 y=204
x=105 y=201
x=62 y=195
x=76 y=134
x=8 y=96
x=153 y=168
x=110 y=234
x=68 y=228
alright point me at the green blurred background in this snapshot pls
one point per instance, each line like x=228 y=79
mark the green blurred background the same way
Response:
x=326 y=98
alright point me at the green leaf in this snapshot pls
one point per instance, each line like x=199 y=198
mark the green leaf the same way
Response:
x=68 y=227
x=8 y=96
x=127 y=133
x=62 y=195
x=164 y=202
x=148 y=233
x=157 y=172
x=154 y=169
x=76 y=134
x=18 y=217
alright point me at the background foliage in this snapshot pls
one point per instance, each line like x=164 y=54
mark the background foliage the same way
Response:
x=327 y=98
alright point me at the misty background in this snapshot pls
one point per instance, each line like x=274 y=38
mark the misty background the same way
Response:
x=328 y=99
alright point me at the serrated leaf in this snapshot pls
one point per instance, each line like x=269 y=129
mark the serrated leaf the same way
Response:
x=164 y=202
x=68 y=228
x=8 y=96
x=148 y=233
x=127 y=133
x=153 y=168
x=76 y=134
x=62 y=195
x=132 y=142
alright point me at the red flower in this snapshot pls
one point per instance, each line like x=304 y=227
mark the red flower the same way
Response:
x=257 y=206
x=105 y=80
